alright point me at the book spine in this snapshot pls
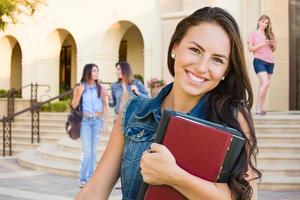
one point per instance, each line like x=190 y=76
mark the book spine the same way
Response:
x=233 y=152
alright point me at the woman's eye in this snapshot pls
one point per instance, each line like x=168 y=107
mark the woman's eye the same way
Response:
x=195 y=50
x=217 y=60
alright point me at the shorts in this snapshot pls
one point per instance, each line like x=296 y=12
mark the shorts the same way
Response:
x=263 y=66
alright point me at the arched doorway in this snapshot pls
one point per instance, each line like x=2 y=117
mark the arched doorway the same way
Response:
x=10 y=63
x=122 y=41
x=16 y=67
x=67 y=64
x=294 y=55
x=57 y=65
x=131 y=50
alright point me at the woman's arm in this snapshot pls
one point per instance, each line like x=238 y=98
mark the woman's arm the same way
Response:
x=273 y=44
x=104 y=104
x=253 y=48
x=159 y=167
x=112 y=98
x=139 y=89
x=107 y=171
x=77 y=92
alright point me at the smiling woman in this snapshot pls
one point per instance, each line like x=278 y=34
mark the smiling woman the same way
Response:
x=201 y=62
x=206 y=59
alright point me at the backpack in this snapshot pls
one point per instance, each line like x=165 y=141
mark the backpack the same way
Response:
x=73 y=123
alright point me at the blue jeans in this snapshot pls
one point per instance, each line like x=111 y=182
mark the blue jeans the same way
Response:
x=89 y=134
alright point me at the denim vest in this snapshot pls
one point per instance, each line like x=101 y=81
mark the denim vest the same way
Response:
x=117 y=91
x=140 y=121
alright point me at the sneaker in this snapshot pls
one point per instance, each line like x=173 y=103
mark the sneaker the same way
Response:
x=81 y=185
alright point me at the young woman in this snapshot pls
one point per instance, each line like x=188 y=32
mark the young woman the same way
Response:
x=126 y=87
x=262 y=43
x=207 y=61
x=90 y=95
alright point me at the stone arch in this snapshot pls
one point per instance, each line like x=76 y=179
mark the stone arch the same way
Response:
x=57 y=61
x=126 y=36
x=10 y=63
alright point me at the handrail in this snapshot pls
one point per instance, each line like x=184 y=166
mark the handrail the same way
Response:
x=39 y=104
x=11 y=94
x=35 y=119
x=25 y=86
x=35 y=122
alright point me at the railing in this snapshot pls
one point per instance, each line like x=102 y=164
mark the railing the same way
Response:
x=35 y=117
x=35 y=123
x=13 y=93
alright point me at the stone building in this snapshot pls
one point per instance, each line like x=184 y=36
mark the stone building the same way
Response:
x=52 y=47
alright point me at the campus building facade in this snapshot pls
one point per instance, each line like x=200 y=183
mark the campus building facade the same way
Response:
x=51 y=47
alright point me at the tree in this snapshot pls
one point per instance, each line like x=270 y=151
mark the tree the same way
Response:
x=11 y=9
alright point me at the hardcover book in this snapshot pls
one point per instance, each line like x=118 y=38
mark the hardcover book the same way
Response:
x=202 y=148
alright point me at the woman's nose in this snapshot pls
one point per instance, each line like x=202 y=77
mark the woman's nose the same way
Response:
x=202 y=65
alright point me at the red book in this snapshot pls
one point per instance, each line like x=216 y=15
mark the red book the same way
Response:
x=202 y=148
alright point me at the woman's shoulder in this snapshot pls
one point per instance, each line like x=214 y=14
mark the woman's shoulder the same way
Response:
x=79 y=85
x=252 y=34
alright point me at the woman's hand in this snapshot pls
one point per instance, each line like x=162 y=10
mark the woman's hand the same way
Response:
x=135 y=90
x=158 y=165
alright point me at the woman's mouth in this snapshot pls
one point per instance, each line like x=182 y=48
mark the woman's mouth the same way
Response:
x=195 y=79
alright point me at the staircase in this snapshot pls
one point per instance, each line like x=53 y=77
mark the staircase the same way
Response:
x=51 y=129
x=278 y=137
x=63 y=155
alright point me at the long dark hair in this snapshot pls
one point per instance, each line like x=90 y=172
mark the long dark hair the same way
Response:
x=87 y=75
x=268 y=31
x=233 y=95
x=125 y=70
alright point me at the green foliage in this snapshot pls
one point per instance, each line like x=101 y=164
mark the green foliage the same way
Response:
x=64 y=89
x=10 y=9
x=59 y=106
x=3 y=93
x=139 y=77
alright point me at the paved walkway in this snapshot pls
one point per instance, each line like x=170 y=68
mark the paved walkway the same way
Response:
x=18 y=183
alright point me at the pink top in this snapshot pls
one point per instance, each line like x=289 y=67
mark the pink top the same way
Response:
x=263 y=53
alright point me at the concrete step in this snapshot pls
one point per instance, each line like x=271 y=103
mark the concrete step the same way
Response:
x=20 y=146
x=269 y=119
x=280 y=183
x=43 y=133
x=58 y=115
x=278 y=138
x=284 y=148
x=27 y=139
x=43 y=127
x=51 y=120
x=74 y=146
x=277 y=128
x=286 y=169
x=31 y=159
x=53 y=152
x=278 y=159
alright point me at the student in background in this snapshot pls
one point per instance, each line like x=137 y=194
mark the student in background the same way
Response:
x=92 y=96
x=206 y=59
x=125 y=88
x=262 y=43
